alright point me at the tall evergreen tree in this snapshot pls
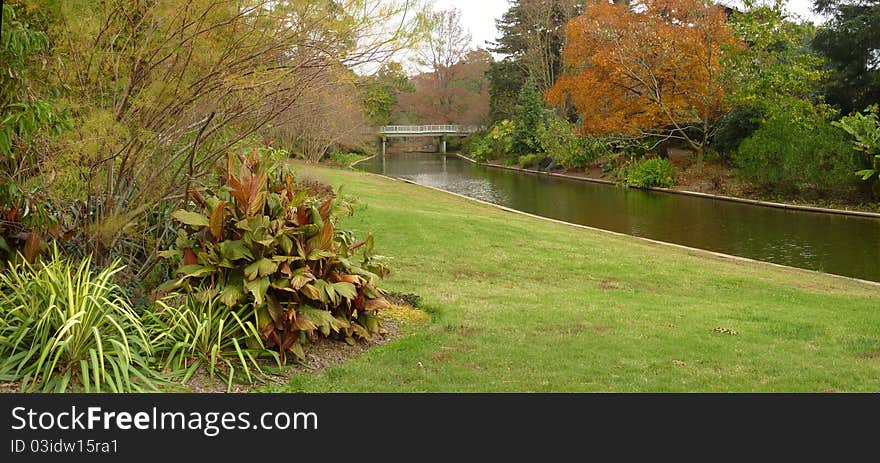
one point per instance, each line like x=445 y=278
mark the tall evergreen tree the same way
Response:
x=506 y=79
x=531 y=40
x=851 y=42
x=529 y=116
x=532 y=36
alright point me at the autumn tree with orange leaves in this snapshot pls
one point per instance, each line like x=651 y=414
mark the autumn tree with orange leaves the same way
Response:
x=648 y=69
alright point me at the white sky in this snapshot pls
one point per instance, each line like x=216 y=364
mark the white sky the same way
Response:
x=479 y=15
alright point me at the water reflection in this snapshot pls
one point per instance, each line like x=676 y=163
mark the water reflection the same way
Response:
x=837 y=244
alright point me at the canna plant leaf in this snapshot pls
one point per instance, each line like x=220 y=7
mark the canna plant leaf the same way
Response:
x=234 y=250
x=258 y=288
x=260 y=268
x=193 y=219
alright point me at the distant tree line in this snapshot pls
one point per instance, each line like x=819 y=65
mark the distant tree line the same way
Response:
x=788 y=105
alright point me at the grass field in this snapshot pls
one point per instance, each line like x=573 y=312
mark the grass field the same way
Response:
x=523 y=304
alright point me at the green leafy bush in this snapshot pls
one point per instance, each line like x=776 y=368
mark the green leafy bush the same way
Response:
x=491 y=144
x=650 y=173
x=798 y=150
x=21 y=118
x=479 y=147
x=530 y=160
x=64 y=326
x=192 y=333
x=501 y=137
x=865 y=129
x=267 y=242
x=558 y=140
x=615 y=163
x=734 y=127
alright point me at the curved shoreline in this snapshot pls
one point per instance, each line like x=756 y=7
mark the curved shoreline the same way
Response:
x=754 y=202
x=649 y=240
x=614 y=233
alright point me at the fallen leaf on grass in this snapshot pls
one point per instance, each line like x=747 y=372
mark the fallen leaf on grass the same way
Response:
x=725 y=331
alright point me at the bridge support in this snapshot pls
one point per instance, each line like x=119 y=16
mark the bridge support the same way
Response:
x=384 y=141
x=443 y=145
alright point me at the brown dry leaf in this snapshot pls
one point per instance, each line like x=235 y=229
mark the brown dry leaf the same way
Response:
x=217 y=220
x=190 y=258
x=32 y=247
x=376 y=304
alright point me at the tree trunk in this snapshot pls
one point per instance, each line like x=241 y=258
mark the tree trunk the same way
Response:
x=699 y=152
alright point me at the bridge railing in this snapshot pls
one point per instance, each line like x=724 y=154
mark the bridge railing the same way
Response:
x=426 y=129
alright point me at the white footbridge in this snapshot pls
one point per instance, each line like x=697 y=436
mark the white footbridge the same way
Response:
x=438 y=131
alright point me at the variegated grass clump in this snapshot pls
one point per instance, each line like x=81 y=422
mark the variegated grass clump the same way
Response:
x=65 y=327
x=191 y=334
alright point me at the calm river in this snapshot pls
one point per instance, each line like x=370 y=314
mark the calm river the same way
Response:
x=838 y=244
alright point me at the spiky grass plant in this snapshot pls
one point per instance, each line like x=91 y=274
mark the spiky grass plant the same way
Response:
x=192 y=333
x=66 y=327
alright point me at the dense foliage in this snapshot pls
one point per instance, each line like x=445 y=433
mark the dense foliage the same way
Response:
x=777 y=66
x=114 y=114
x=264 y=241
x=558 y=140
x=650 y=173
x=798 y=150
x=26 y=118
x=530 y=161
x=506 y=79
x=381 y=92
x=850 y=40
x=734 y=127
x=747 y=85
x=22 y=116
x=532 y=35
x=492 y=144
x=865 y=129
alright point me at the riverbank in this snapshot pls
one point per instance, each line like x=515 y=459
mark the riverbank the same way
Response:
x=713 y=181
x=524 y=304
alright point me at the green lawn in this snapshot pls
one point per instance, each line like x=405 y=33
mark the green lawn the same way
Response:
x=523 y=304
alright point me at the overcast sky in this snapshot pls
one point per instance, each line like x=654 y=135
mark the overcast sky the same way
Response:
x=479 y=15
